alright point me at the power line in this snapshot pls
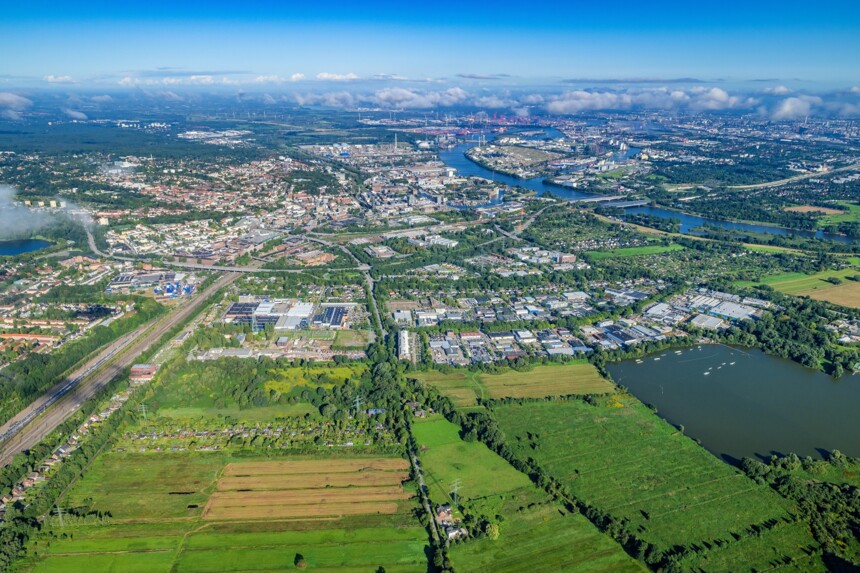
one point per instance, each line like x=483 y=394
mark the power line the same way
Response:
x=455 y=488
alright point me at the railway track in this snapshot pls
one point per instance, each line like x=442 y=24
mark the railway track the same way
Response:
x=37 y=420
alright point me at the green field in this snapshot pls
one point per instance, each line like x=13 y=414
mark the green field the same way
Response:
x=851 y=214
x=152 y=529
x=534 y=530
x=194 y=389
x=801 y=283
x=446 y=458
x=622 y=459
x=463 y=387
x=258 y=414
x=632 y=252
x=352 y=339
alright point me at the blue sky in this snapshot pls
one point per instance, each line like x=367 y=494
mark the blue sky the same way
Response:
x=100 y=43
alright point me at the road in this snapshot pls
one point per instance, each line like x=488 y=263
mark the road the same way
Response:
x=781 y=182
x=37 y=420
x=424 y=499
x=365 y=269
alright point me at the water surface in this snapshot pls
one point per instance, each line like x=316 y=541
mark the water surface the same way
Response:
x=744 y=403
x=12 y=248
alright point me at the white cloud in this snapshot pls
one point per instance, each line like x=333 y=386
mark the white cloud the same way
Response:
x=855 y=90
x=778 y=90
x=52 y=79
x=494 y=102
x=102 y=98
x=696 y=99
x=795 y=107
x=406 y=98
x=328 y=77
x=276 y=79
x=13 y=105
x=74 y=114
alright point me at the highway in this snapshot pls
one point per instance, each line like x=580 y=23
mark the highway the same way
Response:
x=37 y=420
x=782 y=182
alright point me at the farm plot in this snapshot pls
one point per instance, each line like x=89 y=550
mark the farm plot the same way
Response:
x=309 y=488
x=552 y=380
x=355 y=517
x=621 y=458
x=847 y=294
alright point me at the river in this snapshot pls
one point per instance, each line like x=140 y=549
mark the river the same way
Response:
x=690 y=222
x=456 y=158
x=19 y=247
x=745 y=403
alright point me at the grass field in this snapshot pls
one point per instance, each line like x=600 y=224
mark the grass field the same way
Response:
x=813 y=209
x=353 y=339
x=258 y=414
x=801 y=283
x=535 y=530
x=621 y=458
x=445 y=458
x=284 y=379
x=850 y=214
x=632 y=252
x=846 y=294
x=463 y=387
x=549 y=380
x=341 y=514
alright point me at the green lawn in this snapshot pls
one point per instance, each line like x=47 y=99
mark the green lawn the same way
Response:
x=632 y=252
x=621 y=458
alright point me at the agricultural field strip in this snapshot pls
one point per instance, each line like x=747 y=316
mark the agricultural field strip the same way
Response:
x=310 y=496
x=280 y=483
x=314 y=466
x=300 y=511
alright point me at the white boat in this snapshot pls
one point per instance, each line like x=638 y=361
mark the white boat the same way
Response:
x=706 y=373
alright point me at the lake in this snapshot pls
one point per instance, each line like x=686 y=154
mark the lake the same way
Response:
x=744 y=403
x=19 y=247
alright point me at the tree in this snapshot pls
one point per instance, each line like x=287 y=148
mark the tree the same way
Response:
x=492 y=531
x=300 y=562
